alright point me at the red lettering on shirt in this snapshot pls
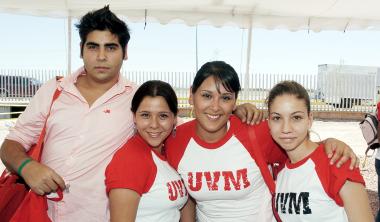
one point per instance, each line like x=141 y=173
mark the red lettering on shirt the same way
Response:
x=175 y=188
x=229 y=177
x=212 y=182
x=181 y=188
x=198 y=183
x=239 y=180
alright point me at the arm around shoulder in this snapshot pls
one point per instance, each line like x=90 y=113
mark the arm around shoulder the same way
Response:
x=356 y=203
x=339 y=151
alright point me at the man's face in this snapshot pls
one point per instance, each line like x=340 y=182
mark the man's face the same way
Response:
x=102 y=56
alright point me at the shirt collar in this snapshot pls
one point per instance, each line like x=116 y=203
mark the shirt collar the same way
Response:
x=68 y=83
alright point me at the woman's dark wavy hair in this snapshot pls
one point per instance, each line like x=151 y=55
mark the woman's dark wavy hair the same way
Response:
x=222 y=72
x=103 y=19
x=155 y=88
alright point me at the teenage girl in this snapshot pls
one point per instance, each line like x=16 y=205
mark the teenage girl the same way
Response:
x=308 y=188
x=141 y=185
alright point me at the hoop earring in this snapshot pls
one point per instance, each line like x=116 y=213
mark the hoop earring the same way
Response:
x=174 y=131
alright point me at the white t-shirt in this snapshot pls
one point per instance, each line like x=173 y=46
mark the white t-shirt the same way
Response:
x=222 y=177
x=309 y=189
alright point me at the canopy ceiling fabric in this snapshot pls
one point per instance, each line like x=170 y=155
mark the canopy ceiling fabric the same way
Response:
x=315 y=15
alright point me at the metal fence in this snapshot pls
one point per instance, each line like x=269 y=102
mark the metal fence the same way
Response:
x=18 y=87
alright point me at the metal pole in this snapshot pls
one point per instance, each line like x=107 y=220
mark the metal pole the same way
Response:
x=196 y=48
x=69 y=45
x=247 y=69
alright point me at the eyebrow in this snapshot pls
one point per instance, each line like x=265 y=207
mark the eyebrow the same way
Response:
x=209 y=91
x=227 y=94
x=160 y=112
x=92 y=43
x=106 y=45
x=296 y=112
x=111 y=44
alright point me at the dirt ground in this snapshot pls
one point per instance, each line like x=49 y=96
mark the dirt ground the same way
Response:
x=370 y=177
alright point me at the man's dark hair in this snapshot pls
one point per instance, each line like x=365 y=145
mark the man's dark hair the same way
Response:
x=103 y=19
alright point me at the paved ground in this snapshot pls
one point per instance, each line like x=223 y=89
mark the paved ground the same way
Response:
x=348 y=132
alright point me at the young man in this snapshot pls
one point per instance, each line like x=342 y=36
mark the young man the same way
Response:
x=89 y=121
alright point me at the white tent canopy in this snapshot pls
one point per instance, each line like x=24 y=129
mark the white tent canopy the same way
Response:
x=315 y=15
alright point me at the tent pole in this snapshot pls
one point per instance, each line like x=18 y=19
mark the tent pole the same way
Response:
x=196 y=48
x=247 y=69
x=69 y=45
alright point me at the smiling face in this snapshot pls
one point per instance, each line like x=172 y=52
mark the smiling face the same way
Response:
x=289 y=122
x=102 y=56
x=213 y=105
x=154 y=120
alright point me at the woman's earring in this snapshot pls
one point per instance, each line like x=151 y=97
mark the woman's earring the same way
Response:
x=134 y=129
x=174 y=132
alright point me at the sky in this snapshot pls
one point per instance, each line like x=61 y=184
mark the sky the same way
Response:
x=28 y=42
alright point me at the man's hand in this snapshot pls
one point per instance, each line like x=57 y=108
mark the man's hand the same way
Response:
x=338 y=150
x=248 y=113
x=42 y=179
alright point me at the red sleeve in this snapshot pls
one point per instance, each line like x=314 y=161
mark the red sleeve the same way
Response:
x=339 y=176
x=378 y=110
x=333 y=178
x=270 y=150
x=131 y=167
x=175 y=146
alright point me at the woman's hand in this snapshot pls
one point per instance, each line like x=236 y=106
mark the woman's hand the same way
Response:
x=249 y=113
x=338 y=150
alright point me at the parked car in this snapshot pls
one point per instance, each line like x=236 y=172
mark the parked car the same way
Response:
x=18 y=86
